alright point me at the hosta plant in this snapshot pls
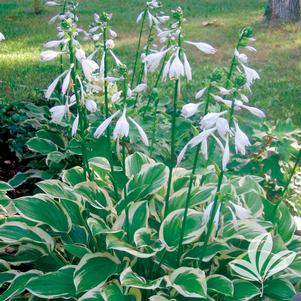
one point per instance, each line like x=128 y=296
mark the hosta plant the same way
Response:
x=161 y=198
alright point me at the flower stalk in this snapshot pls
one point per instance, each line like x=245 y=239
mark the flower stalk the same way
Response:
x=138 y=46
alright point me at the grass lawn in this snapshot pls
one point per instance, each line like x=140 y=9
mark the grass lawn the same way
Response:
x=278 y=59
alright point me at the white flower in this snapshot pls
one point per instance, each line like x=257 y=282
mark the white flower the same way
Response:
x=241 y=57
x=75 y=126
x=141 y=131
x=110 y=44
x=153 y=60
x=190 y=109
x=187 y=68
x=250 y=48
x=52 y=86
x=209 y=120
x=166 y=68
x=104 y=125
x=226 y=154
x=113 y=34
x=176 y=68
x=222 y=127
x=116 y=97
x=240 y=212
x=200 y=93
x=116 y=59
x=224 y=91
x=58 y=113
x=53 y=44
x=91 y=105
x=163 y=19
x=88 y=65
x=251 y=74
x=241 y=140
x=52 y=3
x=204 y=47
x=254 y=111
x=140 y=88
x=66 y=82
x=2 y=37
x=49 y=55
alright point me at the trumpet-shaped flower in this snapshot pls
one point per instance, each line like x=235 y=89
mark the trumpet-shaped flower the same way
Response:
x=140 y=88
x=153 y=60
x=53 y=85
x=210 y=119
x=226 y=154
x=75 y=126
x=187 y=68
x=91 y=105
x=176 y=68
x=2 y=37
x=241 y=140
x=251 y=75
x=58 y=112
x=122 y=127
x=88 y=65
x=204 y=47
x=190 y=109
x=200 y=93
x=49 y=55
x=116 y=97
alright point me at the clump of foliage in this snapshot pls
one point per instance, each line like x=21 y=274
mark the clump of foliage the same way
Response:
x=146 y=201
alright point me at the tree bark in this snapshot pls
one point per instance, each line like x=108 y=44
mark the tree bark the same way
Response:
x=283 y=10
x=37 y=6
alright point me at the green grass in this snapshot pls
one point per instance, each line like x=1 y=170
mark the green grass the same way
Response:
x=278 y=59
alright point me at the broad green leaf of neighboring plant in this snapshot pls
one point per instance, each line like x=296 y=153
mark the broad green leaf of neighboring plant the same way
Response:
x=170 y=230
x=128 y=278
x=220 y=284
x=40 y=145
x=112 y=292
x=188 y=282
x=93 y=270
x=73 y=175
x=279 y=289
x=18 y=284
x=262 y=263
x=13 y=232
x=134 y=163
x=45 y=211
x=5 y=187
x=53 y=285
x=244 y=291
x=285 y=223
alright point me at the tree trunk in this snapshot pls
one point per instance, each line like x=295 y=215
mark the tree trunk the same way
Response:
x=37 y=6
x=283 y=10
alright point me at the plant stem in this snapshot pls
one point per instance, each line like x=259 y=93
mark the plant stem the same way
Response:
x=192 y=176
x=127 y=225
x=81 y=113
x=106 y=95
x=221 y=175
x=172 y=146
x=138 y=47
x=286 y=187
x=154 y=127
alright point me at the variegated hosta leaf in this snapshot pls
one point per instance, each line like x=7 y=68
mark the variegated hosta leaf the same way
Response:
x=128 y=278
x=244 y=291
x=93 y=270
x=115 y=243
x=73 y=176
x=18 y=284
x=220 y=284
x=53 y=285
x=113 y=292
x=170 y=230
x=135 y=162
x=92 y=295
x=149 y=180
x=285 y=223
x=16 y=232
x=138 y=214
x=57 y=189
x=5 y=187
x=99 y=226
x=78 y=251
x=44 y=211
x=94 y=195
x=147 y=239
x=160 y=298
x=262 y=263
x=189 y=282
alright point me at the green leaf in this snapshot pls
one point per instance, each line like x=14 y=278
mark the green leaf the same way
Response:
x=171 y=227
x=93 y=270
x=92 y=295
x=77 y=250
x=56 y=138
x=286 y=223
x=12 y=232
x=134 y=163
x=40 y=145
x=220 y=284
x=130 y=279
x=57 y=189
x=57 y=284
x=18 y=285
x=74 y=176
x=55 y=158
x=112 y=292
x=5 y=187
x=279 y=289
x=244 y=291
x=189 y=282
x=45 y=211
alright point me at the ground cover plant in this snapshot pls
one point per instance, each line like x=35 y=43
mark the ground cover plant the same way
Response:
x=144 y=195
